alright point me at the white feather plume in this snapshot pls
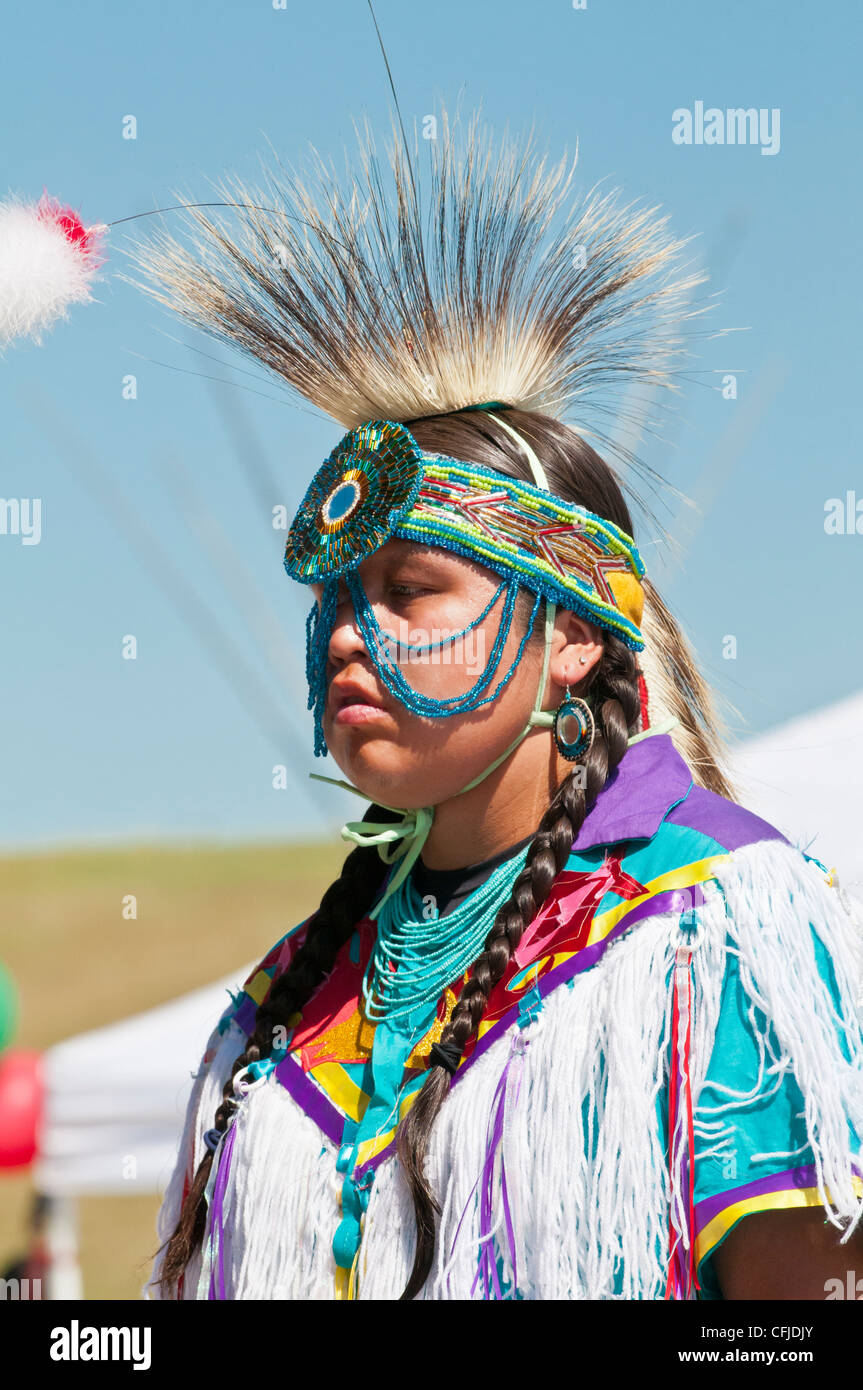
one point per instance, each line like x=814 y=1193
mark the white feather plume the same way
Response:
x=48 y=261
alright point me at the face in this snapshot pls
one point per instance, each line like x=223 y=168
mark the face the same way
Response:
x=420 y=594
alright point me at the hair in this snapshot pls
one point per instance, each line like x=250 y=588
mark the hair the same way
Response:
x=577 y=473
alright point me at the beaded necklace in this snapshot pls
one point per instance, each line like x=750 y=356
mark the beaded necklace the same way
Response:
x=416 y=956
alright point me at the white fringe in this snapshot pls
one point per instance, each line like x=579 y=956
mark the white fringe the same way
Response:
x=592 y=1076
x=201 y=1109
x=286 y=1200
x=775 y=900
x=585 y=1159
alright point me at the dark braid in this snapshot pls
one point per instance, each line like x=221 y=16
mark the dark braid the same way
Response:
x=345 y=903
x=615 y=703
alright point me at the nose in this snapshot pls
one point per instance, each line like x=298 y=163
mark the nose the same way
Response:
x=346 y=641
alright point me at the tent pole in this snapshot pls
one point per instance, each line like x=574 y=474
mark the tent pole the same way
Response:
x=63 y=1278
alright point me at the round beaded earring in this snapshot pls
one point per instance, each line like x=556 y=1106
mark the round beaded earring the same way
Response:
x=574 y=727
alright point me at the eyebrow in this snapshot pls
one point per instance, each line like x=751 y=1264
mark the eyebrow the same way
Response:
x=416 y=551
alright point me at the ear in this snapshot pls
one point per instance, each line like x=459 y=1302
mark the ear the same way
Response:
x=577 y=649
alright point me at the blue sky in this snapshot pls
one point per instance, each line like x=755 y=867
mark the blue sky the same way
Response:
x=181 y=742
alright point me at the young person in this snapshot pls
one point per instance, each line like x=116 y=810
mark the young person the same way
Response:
x=571 y=1023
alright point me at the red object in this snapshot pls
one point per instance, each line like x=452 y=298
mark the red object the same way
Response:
x=642 y=695
x=682 y=1277
x=85 y=239
x=21 y=1103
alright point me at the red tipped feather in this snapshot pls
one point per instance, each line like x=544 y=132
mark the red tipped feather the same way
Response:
x=48 y=261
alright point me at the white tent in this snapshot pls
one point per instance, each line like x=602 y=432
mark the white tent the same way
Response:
x=806 y=778
x=114 y=1104
x=116 y=1097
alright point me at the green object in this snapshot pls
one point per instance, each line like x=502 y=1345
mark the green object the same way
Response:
x=8 y=1006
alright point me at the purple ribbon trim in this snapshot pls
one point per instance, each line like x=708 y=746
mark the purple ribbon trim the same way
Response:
x=487 y=1267
x=785 y=1181
x=217 y=1227
x=245 y=1015
x=328 y=1119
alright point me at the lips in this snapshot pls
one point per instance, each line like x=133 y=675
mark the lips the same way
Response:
x=346 y=692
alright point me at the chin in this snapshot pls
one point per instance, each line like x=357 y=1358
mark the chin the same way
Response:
x=358 y=751
x=382 y=770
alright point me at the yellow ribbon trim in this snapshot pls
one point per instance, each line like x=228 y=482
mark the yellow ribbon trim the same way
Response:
x=716 y=1230
x=333 y=1079
x=684 y=877
x=258 y=987
x=346 y=1281
x=370 y=1148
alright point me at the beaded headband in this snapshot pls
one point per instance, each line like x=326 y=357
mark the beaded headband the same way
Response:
x=378 y=484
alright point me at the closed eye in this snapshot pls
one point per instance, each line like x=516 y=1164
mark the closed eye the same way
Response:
x=407 y=590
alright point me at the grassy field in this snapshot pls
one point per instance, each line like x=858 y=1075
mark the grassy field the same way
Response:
x=79 y=963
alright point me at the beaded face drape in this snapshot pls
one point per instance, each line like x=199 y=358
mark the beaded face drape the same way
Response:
x=378 y=485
